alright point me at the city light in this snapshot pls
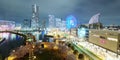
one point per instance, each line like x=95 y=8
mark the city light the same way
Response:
x=13 y=36
x=71 y=21
x=60 y=30
x=81 y=32
x=5 y=35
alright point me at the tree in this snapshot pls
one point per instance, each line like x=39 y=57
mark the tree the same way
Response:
x=72 y=47
x=81 y=56
x=75 y=52
x=69 y=45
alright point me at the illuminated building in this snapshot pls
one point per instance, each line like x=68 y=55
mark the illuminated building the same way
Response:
x=106 y=39
x=51 y=21
x=71 y=22
x=58 y=22
x=94 y=22
x=112 y=27
x=82 y=31
x=18 y=26
x=7 y=25
x=63 y=25
x=104 y=43
x=94 y=19
x=26 y=24
x=35 y=18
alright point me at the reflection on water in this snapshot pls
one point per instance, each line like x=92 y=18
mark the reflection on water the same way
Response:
x=11 y=41
x=9 y=36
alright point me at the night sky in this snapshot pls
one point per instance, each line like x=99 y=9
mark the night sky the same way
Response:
x=83 y=10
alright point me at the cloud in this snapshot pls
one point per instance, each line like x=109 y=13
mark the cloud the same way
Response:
x=19 y=10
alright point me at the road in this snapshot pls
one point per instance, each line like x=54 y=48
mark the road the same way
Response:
x=87 y=52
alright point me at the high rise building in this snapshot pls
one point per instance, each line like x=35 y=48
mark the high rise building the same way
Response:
x=35 y=17
x=26 y=23
x=52 y=21
x=58 y=22
x=63 y=25
x=43 y=24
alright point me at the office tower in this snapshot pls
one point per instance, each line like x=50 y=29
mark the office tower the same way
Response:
x=58 y=22
x=51 y=21
x=35 y=17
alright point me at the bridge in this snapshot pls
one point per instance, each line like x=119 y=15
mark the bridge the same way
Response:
x=7 y=46
x=14 y=32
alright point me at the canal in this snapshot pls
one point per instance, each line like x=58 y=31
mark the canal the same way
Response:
x=10 y=42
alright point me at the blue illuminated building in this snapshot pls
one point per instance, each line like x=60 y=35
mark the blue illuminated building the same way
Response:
x=83 y=32
x=71 y=22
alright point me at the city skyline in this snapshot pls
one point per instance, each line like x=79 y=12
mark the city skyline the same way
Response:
x=83 y=10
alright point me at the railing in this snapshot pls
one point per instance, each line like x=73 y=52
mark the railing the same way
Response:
x=91 y=55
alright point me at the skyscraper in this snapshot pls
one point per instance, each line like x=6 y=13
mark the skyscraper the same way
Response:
x=51 y=21
x=58 y=22
x=35 y=17
x=63 y=24
x=26 y=23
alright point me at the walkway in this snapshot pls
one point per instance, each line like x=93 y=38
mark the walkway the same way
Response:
x=87 y=52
